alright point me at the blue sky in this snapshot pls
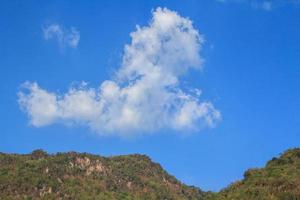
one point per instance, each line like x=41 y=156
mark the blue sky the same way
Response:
x=250 y=76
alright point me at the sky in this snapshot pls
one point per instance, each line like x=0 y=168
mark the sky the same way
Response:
x=206 y=88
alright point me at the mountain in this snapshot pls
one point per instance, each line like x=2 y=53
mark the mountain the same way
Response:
x=84 y=176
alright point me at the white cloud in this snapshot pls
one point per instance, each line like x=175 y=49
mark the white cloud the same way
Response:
x=145 y=96
x=64 y=37
x=40 y=105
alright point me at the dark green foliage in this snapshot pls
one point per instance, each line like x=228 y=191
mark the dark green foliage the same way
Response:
x=85 y=176
x=39 y=153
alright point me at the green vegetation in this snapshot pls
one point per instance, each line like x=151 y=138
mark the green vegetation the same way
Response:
x=84 y=176
x=279 y=180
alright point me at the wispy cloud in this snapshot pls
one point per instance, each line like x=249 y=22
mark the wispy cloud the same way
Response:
x=266 y=5
x=64 y=37
x=145 y=95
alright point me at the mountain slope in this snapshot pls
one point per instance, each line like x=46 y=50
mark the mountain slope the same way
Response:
x=85 y=176
x=278 y=180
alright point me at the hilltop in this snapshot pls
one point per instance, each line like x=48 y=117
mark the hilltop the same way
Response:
x=85 y=176
x=278 y=180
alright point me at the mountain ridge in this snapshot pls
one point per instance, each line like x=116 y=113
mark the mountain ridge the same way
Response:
x=73 y=175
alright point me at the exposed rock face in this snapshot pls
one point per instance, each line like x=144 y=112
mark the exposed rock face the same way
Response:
x=88 y=165
x=82 y=162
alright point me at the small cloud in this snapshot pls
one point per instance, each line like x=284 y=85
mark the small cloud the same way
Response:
x=63 y=36
x=267 y=5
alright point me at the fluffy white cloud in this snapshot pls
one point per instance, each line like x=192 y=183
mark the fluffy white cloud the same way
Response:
x=145 y=96
x=64 y=37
